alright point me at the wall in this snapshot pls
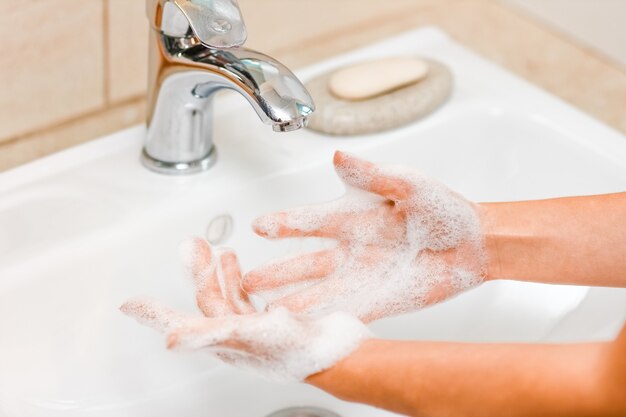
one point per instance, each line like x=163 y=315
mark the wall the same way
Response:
x=75 y=69
x=600 y=25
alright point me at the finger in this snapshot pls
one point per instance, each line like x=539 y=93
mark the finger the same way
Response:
x=155 y=315
x=211 y=333
x=196 y=255
x=370 y=177
x=200 y=260
x=313 y=221
x=233 y=293
x=307 y=267
x=312 y=299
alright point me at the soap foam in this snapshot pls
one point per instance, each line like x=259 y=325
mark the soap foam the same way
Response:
x=155 y=315
x=282 y=346
x=278 y=344
x=393 y=256
x=198 y=259
x=313 y=220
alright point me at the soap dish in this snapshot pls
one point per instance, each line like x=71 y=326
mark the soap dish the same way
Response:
x=339 y=116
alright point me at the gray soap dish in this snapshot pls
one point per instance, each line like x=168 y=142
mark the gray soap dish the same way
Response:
x=337 y=116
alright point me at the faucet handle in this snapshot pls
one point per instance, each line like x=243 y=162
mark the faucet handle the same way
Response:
x=216 y=23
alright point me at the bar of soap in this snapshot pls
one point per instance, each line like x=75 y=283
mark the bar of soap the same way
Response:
x=374 y=78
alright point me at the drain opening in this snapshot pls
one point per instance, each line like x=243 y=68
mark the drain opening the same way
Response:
x=220 y=229
x=303 y=412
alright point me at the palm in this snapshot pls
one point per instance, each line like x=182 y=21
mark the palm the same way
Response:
x=403 y=241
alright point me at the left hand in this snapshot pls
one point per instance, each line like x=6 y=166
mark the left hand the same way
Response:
x=403 y=241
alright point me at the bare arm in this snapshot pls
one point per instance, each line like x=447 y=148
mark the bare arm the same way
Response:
x=580 y=240
x=576 y=240
x=463 y=379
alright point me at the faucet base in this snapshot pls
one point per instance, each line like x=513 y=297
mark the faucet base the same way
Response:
x=179 y=168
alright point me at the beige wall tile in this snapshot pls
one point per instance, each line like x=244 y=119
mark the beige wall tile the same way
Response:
x=598 y=24
x=51 y=65
x=540 y=55
x=39 y=144
x=128 y=49
x=524 y=47
x=297 y=23
x=275 y=25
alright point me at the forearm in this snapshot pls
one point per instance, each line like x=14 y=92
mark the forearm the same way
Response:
x=577 y=240
x=461 y=379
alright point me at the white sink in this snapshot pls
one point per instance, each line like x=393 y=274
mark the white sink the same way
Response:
x=85 y=229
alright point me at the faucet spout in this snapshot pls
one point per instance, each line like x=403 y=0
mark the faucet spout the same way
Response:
x=185 y=73
x=274 y=92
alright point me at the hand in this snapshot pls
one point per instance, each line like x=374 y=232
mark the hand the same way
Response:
x=277 y=344
x=403 y=241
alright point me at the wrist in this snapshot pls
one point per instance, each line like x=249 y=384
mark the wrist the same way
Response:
x=514 y=240
x=341 y=379
x=339 y=336
x=492 y=268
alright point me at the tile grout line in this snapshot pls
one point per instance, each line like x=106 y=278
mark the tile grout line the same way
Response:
x=107 y=105
x=347 y=31
x=562 y=35
x=41 y=144
x=106 y=83
x=137 y=99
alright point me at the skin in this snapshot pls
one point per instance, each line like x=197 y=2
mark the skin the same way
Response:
x=277 y=343
x=401 y=204
x=575 y=240
x=579 y=240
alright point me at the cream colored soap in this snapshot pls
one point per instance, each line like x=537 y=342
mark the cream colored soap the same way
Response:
x=374 y=78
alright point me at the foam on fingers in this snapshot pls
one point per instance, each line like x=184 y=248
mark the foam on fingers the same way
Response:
x=217 y=279
x=307 y=267
x=314 y=299
x=364 y=175
x=406 y=239
x=314 y=221
x=354 y=172
x=276 y=344
x=283 y=346
x=196 y=255
x=232 y=291
x=154 y=314
x=210 y=333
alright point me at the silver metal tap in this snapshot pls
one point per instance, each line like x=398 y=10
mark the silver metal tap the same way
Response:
x=194 y=52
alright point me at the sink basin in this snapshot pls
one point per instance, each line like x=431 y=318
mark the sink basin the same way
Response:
x=84 y=230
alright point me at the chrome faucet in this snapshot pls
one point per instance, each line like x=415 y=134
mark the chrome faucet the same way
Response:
x=194 y=52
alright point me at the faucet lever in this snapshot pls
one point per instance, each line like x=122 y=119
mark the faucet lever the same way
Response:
x=185 y=73
x=216 y=23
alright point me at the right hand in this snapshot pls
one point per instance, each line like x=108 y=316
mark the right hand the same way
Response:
x=277 y=344
x=407 y=242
